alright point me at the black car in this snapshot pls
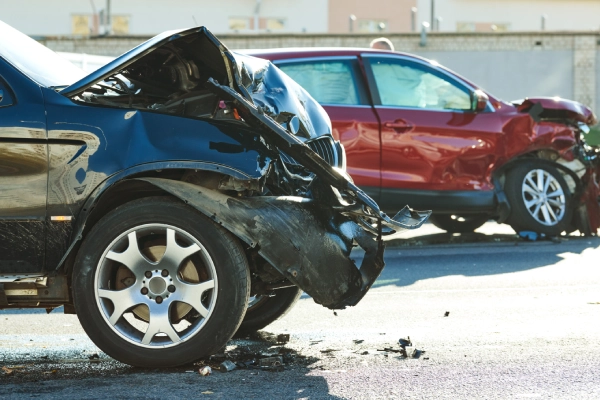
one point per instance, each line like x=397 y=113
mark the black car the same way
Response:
x=155 y=196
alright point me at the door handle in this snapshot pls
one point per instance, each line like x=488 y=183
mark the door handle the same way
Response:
x=399 y=126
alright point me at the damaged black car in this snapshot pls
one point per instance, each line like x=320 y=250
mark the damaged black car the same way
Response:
x=174 y=197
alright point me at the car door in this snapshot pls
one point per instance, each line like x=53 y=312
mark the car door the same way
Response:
x=338 y=85
x=437 y=151
x=23 y=173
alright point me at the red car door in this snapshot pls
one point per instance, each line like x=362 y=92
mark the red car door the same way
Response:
x=338 y=85
x=437 y=152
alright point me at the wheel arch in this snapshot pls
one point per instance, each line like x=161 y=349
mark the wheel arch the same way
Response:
x=546 y=156
x=126 y=186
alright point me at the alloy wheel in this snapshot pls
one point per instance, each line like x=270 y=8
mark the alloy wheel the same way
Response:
x=544 y=197
x=156 y=285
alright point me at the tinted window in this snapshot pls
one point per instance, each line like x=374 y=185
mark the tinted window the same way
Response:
x=407 y=84
x=329 y=82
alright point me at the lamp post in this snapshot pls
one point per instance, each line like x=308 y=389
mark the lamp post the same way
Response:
x=413 y=19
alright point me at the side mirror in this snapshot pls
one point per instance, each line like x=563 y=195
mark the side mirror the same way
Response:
x=479 y=101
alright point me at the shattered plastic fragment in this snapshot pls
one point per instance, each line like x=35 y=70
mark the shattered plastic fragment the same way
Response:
x=283 y=338
x=405 y=342
x=227 y=366
x=205 y=371
x=271 y=361
x=447 y=313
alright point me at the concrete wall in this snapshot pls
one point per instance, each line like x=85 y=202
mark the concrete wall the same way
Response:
x=509 y=65
x=512 y=75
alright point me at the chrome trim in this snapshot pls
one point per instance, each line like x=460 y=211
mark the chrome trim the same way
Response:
x=312 y=59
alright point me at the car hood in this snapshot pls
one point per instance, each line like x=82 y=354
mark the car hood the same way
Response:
x=257 y=80
x=556 y=107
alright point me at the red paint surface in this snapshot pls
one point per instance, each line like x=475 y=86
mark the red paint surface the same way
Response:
x=440 y=150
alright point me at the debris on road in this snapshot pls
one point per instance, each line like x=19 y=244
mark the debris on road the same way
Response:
x=205 y=371
x=283 y=338
x=227 y=366
x=270 y=361
x=447 y=313
x=404 y=342
x=94 y=357
x=329 y=350
x=358 y=341
x=7 y=371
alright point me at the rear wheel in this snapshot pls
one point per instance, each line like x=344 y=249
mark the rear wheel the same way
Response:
x=264 y=310
x=156 y=284
x=539 y=198
x=458 y=223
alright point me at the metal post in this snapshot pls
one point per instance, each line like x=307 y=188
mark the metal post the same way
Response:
x=107 y=19
x=544 y=17
x=424 y=34
x=431 y=22
x=352 y=18
x=413 y=19
x=257 y=15
x=438 y=24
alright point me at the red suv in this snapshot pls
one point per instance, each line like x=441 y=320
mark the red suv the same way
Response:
x=418 y=133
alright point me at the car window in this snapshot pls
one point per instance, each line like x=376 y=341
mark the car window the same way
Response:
x=6 y=97
x=407 y=84
x=329 y=82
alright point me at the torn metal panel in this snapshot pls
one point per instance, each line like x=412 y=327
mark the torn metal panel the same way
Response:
x=310 y=245
x=556 y=108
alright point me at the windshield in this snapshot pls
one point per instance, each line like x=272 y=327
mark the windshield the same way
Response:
x=36 y=60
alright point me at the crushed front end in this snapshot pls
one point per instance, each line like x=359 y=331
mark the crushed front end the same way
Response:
x=564 y=125
x=297 y=210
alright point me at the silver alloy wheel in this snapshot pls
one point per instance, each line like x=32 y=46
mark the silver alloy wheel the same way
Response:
x=156 y=300
x=544 y=197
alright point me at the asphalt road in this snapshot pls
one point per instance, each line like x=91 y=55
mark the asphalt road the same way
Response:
x=523 y=322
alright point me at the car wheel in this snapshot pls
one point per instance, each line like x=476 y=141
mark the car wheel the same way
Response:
x=458 y=223
x=156 y=284
x=264 y=310
x=539 y=198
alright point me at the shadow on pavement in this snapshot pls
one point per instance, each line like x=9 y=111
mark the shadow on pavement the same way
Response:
x=49 y=374
x=473 y=255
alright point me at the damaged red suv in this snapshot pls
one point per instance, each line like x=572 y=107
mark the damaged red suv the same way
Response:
x=418 y=133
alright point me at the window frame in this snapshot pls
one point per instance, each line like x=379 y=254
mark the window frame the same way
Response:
x=355 y=71
x=423 y=65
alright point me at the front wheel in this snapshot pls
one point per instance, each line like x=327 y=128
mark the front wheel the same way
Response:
x=156 y=284
x=263 y=310
x=539 y=198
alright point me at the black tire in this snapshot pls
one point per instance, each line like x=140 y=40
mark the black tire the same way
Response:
x=201 y=254
x=555 y=210
x=458 y=223
x=267 y=310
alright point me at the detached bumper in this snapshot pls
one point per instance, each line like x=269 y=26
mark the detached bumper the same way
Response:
x=308 y=244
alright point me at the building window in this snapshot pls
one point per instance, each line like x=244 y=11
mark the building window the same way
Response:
x=372 y=25
x=80 y=25
x=239 y=23
x=275 y=24
x=482 y=27
x=120 y=24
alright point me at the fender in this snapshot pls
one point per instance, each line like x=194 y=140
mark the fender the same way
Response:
x=307 y=243
x=95 y=197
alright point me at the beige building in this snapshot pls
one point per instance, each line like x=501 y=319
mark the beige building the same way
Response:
x=149 y=17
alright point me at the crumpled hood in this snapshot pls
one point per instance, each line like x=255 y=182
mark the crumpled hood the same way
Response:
x=279 y=95
x=556 y=107
x=257 y=80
